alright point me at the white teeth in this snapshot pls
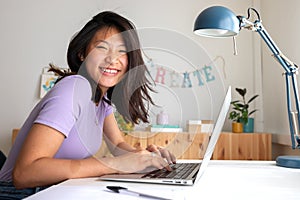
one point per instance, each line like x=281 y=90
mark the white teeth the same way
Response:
x=111 y=71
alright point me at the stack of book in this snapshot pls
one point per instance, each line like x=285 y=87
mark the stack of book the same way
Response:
x=200 y=126
x=164 y=128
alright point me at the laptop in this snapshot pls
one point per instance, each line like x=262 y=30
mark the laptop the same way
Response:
x=183 y=173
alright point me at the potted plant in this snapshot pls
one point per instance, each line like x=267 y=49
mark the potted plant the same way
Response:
x=241 y=114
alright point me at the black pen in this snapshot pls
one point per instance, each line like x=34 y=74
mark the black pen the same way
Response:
x=123 y=190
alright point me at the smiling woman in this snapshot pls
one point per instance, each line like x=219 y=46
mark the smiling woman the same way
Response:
x=67 y=126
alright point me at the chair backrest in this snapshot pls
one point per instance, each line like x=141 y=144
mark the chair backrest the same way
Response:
x=2 y=159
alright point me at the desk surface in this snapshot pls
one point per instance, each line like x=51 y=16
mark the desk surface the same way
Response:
x=221 y=180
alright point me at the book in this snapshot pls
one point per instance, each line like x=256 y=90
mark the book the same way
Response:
x=164 y=128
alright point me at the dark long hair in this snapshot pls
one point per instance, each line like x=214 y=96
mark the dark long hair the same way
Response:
x=131 y=95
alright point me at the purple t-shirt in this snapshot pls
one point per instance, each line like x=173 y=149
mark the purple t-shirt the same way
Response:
x=68 y=108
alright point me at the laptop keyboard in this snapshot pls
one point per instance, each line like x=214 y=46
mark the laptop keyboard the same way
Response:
x=180 y=171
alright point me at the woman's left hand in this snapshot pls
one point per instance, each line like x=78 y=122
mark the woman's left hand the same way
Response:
x=163 y=152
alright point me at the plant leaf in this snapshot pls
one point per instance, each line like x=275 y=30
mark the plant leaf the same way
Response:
x=238 y=109
x=233 y=102
x=242 y=92
x=253 y=111
x=254 y=97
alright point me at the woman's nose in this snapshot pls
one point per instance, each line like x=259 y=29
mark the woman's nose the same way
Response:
x=112 y=57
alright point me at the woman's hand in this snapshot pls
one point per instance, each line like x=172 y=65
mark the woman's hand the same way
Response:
x=137 y=161
x=171 y=159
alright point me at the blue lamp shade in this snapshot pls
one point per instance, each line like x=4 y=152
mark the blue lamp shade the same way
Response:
x=217 y=21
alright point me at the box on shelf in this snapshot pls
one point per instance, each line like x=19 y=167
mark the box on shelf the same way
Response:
x=207 y=126
x=194 y=126
x=200 y=126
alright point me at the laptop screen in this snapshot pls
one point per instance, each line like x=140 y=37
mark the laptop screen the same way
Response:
x=216 y=133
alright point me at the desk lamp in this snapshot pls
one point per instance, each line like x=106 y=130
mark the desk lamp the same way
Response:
x=218 y=21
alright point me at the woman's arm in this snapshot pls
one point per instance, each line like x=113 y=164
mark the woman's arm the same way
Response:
x=117 y=145
x=36 y=166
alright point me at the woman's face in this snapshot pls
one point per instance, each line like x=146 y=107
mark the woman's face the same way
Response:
x=106 y=59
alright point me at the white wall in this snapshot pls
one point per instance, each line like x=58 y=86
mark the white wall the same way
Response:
x=32 y=36
x=281 y=19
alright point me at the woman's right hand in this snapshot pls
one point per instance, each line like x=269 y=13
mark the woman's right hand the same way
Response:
x=138 y=161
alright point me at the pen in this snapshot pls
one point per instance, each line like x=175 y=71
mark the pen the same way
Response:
x=123 y=190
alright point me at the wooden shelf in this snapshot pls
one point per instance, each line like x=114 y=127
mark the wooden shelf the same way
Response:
x=244 y=146
x=230 y=146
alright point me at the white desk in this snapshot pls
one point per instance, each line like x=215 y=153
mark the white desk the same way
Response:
x=221 y=180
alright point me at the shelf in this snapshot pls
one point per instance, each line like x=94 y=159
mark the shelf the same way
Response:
x=230 y=146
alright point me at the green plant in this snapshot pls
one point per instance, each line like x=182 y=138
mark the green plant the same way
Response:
x=241 y=111
x=122 y=123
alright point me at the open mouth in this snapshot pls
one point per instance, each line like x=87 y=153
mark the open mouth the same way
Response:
x=109 y=70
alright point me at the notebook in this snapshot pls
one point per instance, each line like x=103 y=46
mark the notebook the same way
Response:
x=191 y=171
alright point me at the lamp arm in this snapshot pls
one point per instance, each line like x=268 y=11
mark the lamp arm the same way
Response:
x=291 y=70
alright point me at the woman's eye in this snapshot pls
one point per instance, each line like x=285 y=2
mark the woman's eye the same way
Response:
x=123 y=51
x=101 y=47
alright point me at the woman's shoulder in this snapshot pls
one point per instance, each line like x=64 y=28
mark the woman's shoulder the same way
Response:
x=72 y=85
x=74 y=79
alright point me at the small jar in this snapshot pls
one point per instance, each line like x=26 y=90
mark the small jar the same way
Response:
x=162 y=118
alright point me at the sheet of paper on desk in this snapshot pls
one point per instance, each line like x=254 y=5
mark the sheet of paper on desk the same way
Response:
x=100 y=192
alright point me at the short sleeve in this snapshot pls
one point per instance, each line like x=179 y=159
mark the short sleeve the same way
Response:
x=62 y=105
x=108 y=109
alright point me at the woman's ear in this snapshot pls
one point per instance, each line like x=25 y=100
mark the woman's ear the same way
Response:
x=81 y=57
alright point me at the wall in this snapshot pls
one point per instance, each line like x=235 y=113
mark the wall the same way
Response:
x=281 y=19
x=32 y=36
